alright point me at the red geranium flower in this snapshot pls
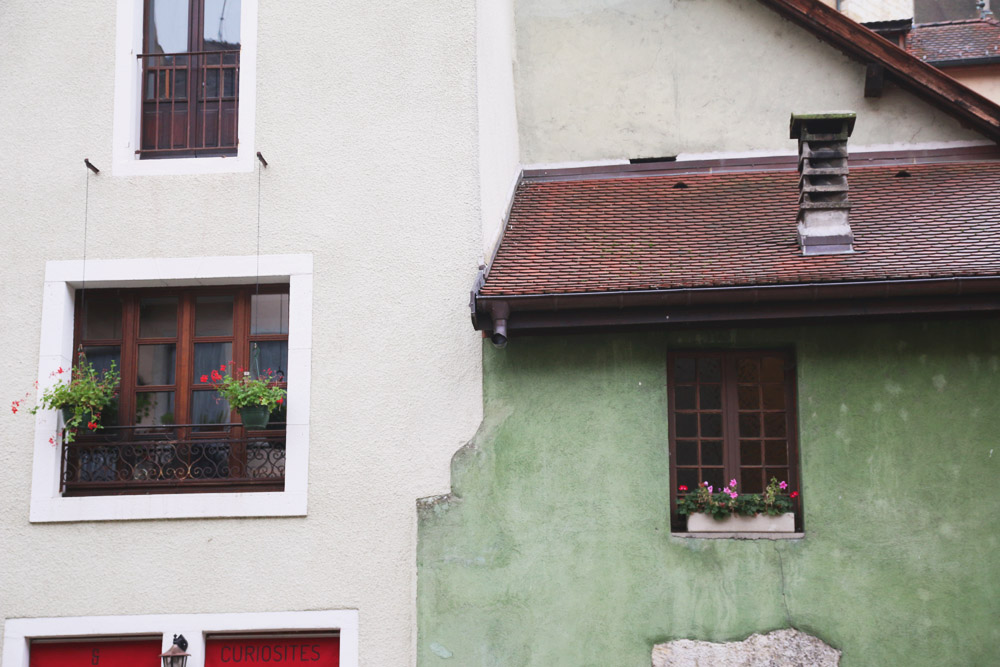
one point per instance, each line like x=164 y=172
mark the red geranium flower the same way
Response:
x=280 y=401
x=92 y=426
x=793 y=494
x=222 y=367
x=204 y=378
x=216 y=376
x=682 y=488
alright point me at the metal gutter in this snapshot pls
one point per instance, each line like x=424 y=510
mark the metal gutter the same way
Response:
x=739 y=303
x=965 y=62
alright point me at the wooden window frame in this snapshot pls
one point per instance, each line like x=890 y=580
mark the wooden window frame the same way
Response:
x=730 y=412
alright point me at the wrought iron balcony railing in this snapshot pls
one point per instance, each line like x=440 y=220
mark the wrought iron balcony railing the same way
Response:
x=173 y=459
x=190 y=103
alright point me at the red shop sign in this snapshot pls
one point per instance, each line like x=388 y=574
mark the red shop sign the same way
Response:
x=287 y=651
x=96 y=653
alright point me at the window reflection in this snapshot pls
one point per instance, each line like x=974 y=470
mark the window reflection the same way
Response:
x=167 y=26
x=222 y=25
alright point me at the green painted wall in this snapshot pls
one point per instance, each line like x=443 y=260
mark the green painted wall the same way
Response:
x=554 y=548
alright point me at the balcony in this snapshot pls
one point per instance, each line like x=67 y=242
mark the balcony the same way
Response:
x=122 y=460
x=189 y=104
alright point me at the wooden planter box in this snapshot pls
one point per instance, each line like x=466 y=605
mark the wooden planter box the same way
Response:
x=760 y=523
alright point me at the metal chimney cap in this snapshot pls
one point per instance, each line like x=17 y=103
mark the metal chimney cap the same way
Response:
x=798 y=119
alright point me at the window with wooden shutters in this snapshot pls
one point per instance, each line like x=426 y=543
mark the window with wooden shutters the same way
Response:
x=732 y=416
x=190 y=78
x=170 y=431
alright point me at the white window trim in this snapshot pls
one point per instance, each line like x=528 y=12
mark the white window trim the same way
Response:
x=62 y=278
x=128 y=89
x=18 y=632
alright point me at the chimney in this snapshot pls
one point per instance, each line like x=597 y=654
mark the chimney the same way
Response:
x=824 y=227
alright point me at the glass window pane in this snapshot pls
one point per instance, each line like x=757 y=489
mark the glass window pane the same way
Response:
x=751 y=481
x=213 y=316
x=709 y=370
x=688 y=477
x=209 y=357
x=157 y=364
x=167 y=26
x=711 y=425
x=684 y=398
x=687 y=426
x=102 y=319
x=207 y=407
x=750 y=453
x=776 y=453
x=711 y=453
x=687 y=452
x=154 y=408
x=684 y=370
x=711 y=397
x=774 y=425
x=714 y=477
x=774 y=397
x=269 y=314
x=748 y=397
x=158 y=317
x=748 y=370
x=101 y=356
x=222 y=25
x=780 y=474
x=273 y=357
x=750 y=425
x=772 y=369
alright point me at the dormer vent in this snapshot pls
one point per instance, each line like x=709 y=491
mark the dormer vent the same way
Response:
x=824 y=207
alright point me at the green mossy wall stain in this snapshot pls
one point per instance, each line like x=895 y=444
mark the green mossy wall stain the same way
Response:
x=555 y=547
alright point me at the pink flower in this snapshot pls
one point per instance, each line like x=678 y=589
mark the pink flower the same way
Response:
x=783 y=485
x=13 y=406
x=52 y=441
x=732 y=482
x=710 y=489
x=59 y=370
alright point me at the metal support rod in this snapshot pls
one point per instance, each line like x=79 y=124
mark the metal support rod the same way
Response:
x=90 y=165
x=261 y=158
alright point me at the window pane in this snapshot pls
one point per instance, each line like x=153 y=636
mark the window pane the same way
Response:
x=772 y=369
x=709 y=370
x=748 y=371
x=711 y=425
x=684 y=398
x=781 y=474
x=213 y=316
x=269 y=314
x=714 y=477
x=154 y=408
x=207 y=407
x=748 y=397
x=167 y=26
x=750 y=453
x=774 y=397
x=750 y=481
x=688 y=477
x=209 y=357
x=776 y=453
x=273 y=357
x=774 y=425
x=750 y=425
x=711 y=453
x=687 y=426
x=102 y=319
x=157 y=364
x=711 y=397
x=687 y=453
x=101 y=356
x=684 y=370
x=222 y=25
x=158 y=317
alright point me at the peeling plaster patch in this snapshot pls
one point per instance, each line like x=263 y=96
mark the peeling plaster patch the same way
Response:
x=781 y=648
x=904 y=414
x=893 y=388
x=440 y=651
x=843 y=408
x=939 y=382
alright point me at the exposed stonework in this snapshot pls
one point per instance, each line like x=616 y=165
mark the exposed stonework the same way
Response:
x=781 y=648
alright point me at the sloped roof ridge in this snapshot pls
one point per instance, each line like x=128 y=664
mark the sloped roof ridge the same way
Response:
x=982 y=19
x=867 y=46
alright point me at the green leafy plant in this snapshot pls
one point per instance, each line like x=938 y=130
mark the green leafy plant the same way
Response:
x=242 y=390
x=83 y=396
x=727 y=502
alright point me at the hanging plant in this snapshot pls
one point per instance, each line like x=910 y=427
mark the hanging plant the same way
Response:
x=81 y=397
x=254 y=398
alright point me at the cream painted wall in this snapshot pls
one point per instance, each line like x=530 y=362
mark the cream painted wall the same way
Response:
x=614 y=79
x=984 y=79
x=498 y=142
x=877 y=10
x=367 y=114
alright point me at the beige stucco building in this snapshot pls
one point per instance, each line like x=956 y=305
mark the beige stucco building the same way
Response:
x=393 y=135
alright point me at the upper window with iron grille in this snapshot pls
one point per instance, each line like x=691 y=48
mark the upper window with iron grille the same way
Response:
x=190 y=78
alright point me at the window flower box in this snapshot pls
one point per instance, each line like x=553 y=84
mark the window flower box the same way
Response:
x=734 y=523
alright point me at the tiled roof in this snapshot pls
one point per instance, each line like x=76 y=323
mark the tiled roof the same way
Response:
x=955 y=40
x=707 y=230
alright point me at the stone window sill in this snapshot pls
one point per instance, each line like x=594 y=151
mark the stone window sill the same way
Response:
x=739 y=536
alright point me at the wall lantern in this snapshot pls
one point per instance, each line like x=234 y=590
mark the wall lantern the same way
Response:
x=175 y=656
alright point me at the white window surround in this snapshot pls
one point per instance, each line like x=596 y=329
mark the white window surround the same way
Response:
x=62 y=278
x=18 y=632
x=128 y=89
